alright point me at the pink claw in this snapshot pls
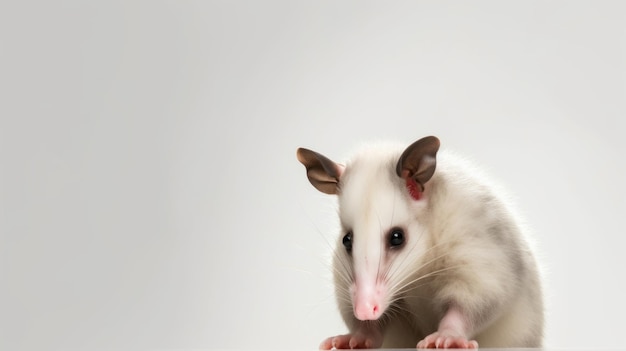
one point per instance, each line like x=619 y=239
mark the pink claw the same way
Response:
x=348 y=341
x=438 y=341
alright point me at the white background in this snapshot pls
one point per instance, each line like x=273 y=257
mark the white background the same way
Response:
x=150 y=197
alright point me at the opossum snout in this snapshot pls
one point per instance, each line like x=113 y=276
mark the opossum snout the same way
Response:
x=368 y=301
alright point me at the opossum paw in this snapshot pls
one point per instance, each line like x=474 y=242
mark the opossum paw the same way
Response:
x=439 y=340
x=350 y=341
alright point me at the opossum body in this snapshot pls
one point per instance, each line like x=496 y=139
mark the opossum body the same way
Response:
x=429 y=254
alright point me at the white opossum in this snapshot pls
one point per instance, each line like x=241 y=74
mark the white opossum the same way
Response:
x=427 y=258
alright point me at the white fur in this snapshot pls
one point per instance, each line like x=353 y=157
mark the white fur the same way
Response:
x=464 y=247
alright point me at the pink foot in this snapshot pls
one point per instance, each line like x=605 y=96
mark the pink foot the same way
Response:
x=349 y=341
x=439 y=340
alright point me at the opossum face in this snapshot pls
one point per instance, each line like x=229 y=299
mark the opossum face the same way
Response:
x=381 y=194
x=381 y=239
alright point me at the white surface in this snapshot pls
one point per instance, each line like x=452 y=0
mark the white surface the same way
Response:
x=150 y=197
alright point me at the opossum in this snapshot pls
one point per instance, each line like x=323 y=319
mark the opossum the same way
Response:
x=430 y=254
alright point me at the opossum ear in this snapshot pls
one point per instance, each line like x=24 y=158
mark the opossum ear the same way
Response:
x=323 y=173
x=417 y=164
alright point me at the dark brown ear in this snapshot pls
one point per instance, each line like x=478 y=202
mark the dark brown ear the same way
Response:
x=418 y=161
x=323 y=173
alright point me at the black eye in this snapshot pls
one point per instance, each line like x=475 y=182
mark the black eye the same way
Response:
x=396 y=238
x=347 y=241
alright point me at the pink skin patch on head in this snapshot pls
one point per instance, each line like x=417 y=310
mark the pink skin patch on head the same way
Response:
x=413 y=188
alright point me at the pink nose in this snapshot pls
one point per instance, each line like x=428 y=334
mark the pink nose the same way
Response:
x=367 y=311
x=368 y=298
